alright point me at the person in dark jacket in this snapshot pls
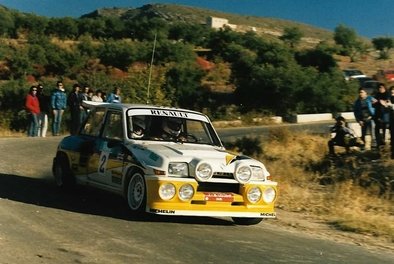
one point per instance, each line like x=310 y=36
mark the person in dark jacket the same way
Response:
x=58 y=104
x=382 y=114
x=74 y=103
x=390 y=105
x=364 y=113
x=44 y=100
x=33 y=108
x=344 y=136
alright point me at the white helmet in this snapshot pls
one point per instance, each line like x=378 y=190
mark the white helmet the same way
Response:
x=138 y=127
x=172 y=126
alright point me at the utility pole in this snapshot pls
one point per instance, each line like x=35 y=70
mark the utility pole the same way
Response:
x=150 y=69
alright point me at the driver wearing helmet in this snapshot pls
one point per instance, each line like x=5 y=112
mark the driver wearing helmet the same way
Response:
x=138 y=127
x=171 y=128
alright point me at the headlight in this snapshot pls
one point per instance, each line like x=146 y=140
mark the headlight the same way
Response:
x=269 y=195
x=257 y=173
x=254 y=195
x=178 y=169
x=204 y=172
x=243 y=174
x=167 y=191
x=186 y=192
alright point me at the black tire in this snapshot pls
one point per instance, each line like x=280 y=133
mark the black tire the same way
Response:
x=136 y=192
x=246 y=221
x=64 y=178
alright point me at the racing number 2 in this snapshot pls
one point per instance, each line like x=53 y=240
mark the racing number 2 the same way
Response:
x=103 y=162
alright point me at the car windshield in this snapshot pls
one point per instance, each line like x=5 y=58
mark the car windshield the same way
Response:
x=175 y=129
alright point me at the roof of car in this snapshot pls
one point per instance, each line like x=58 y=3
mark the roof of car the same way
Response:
x=124 y=107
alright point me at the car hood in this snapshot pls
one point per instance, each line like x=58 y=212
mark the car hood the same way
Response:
x=158 y=156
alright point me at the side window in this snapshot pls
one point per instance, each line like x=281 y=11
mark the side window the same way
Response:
x=93 y=123
x=113 y=128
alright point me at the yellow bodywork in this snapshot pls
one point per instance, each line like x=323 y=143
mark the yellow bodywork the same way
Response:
x=202 y=204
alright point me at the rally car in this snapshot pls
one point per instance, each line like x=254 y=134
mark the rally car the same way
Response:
x=166 y=161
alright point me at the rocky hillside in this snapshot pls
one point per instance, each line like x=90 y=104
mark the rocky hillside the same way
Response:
x=269 y=27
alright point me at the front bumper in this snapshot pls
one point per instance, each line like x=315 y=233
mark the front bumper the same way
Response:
x=212 y=202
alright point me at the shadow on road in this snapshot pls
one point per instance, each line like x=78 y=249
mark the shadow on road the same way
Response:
x=85 y=200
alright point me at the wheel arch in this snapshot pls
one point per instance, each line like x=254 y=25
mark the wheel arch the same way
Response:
x=61 y=155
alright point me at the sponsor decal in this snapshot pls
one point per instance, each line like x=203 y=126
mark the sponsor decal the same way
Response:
x=218 y=197
x=268 y=214
x=234 y=157
x=168 y=113
x=160 y=211
x=230 y=158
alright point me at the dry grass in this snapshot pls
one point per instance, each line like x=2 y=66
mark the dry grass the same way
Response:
x=341 y=191
x=9 y=133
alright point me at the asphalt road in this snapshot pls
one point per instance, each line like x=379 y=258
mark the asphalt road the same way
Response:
x=41 y=224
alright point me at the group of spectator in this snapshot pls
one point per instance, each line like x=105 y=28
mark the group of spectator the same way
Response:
x=374 y=114
x=41 y=105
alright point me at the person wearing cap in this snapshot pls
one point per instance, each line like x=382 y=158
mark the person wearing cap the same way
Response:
x=74 y=103
x=44 y=100
x=58 y=105
x=33 y=107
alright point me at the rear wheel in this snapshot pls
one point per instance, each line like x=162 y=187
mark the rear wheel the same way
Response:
x=246 y=221
x=62 y=173
x=136 y=192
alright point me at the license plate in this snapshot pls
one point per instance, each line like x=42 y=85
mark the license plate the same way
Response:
x=218 y=197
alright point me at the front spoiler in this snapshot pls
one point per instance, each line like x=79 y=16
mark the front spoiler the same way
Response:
x=211 y=213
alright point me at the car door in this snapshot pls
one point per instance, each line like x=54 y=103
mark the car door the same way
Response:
x=107 y=163
x=89 y=134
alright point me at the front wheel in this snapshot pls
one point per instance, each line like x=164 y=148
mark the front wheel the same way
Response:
x=246 y=221
x=136 y=192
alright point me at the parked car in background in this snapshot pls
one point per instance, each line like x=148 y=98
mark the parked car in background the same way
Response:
x=371 y=86
x=352 y=74
x=362 y=80
x=166 y=161
x=386 y=77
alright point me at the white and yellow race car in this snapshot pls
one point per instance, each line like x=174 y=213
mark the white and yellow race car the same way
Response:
x=164 y=161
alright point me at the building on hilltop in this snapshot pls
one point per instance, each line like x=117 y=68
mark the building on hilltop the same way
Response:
x=217 y=22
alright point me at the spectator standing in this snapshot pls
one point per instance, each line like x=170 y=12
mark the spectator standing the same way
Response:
x=364 y=113
x=382 y=115
x=84 y=96
x=391 y=107
x=74 y=102
x=44 y=100
x=90 y=94
x=97 y=97
x=58 y=104
x=33 y=107
x=114 y=97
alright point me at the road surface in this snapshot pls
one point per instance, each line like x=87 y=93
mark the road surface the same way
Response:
x=41 y=224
